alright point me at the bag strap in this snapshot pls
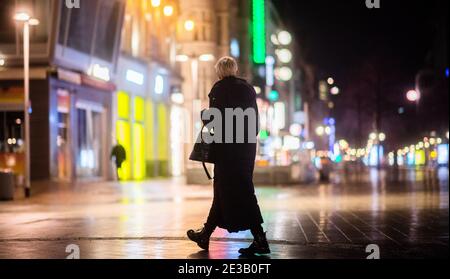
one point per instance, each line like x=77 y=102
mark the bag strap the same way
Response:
x=203 y=157
x=206 y=171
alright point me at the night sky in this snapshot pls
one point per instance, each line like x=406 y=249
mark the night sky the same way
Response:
x=342 y=37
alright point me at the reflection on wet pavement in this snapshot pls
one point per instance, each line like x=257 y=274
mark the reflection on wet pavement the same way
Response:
x=405 y=212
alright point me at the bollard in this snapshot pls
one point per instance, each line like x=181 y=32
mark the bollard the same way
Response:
x=6 y=185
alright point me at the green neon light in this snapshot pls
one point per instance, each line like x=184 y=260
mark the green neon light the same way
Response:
x=259 y=32
x=273 y=96
x=263 y=135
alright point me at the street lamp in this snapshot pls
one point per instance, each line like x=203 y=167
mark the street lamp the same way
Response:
x=413 y=96
x=189 y=25
x=283 y=73
x=334 y=90
x=27 y=21
x=330 y=81
x=156 y=3
x=168 y=10
x=320 y=131
x=284 y=38
x=421 y=145
x=284 y=55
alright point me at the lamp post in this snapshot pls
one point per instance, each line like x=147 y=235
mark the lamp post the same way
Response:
x=27 y=21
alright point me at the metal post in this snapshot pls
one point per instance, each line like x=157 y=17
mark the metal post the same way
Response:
x=378 y=119
x=26 y=65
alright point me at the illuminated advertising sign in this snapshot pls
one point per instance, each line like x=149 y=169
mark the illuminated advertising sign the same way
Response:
x=135 y=77
x=410 y=159
x=442 y=158
x=280 y=115
x=270 y=61
x=420 y=158
x=400 y=160
x=374 y=156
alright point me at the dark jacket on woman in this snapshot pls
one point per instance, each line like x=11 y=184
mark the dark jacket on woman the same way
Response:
x=235 y=207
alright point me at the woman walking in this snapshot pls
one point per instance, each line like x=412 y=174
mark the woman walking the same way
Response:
x=235 y=207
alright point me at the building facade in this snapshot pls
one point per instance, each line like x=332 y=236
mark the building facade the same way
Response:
x=138 y=73
x=73 y=56
x=203 y=36
x=147 y=79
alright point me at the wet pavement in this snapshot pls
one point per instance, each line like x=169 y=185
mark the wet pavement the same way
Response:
x=404 y=212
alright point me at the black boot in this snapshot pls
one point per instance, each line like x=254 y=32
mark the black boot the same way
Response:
x=259 y=246
x=201 y=237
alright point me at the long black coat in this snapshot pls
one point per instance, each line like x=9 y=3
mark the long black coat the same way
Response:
x=235 y=204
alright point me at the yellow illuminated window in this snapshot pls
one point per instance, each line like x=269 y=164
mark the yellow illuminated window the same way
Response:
x=163 y=133
x=123 y=105
x=139 y=109
x=138 y=151
x=123 y=138
x=149 y=132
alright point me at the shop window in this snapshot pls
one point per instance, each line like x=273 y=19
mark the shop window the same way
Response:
x=138 y=139
x=139 y=109
x=11 y=141
x=62 y=139
x=163 y=133
x=104 y=39
x=123 y=138
x=149 y=131
x=163 y=140
x=92 y=29
x=89 y=146
x=81 y=28
x=123 y=105
x=138 y=151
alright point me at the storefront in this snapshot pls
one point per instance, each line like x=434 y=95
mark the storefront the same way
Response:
x=142 y=118
x=11 y=130
x=68 y=126
x=79 y=142
x=131 y=107
x=159 y=88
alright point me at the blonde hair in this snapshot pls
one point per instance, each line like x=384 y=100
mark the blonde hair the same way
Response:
x=225 y=67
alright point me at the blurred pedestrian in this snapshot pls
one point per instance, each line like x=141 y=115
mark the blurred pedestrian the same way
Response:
x=118 y=155
x=235 y=206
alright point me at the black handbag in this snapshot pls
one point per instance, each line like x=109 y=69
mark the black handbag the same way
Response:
x=203 y=152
